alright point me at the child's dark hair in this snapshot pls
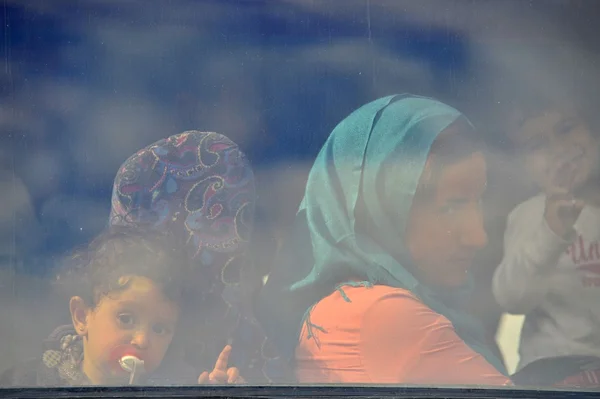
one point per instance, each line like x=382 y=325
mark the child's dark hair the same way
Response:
x=103 y=267
x=534 y=104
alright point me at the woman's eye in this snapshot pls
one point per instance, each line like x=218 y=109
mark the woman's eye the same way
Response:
x=449 y=209
x=125 y=319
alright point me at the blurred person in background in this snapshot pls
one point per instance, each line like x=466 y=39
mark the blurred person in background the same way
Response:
x=373 y=283
x=21 y=291
x=551 y=266
x=19 y=231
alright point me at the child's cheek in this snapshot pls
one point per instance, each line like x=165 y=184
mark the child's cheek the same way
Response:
x=157 y=355
x=537 y=169
x=113 y=339
x=594 y=156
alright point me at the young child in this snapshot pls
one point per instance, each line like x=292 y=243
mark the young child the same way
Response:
x=199 y=186
x=127 y=301
x=551 y=266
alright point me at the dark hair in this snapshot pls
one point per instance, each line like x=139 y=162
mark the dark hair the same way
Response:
x=533 y=104
x=99 y=269
x=456 y=142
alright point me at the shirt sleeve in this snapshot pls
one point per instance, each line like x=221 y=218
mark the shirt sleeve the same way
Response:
x=404 y=341
x=531 y=254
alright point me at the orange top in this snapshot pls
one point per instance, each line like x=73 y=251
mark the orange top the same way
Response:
x=386 y=335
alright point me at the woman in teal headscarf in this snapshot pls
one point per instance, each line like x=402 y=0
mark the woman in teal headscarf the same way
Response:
x=392 y=218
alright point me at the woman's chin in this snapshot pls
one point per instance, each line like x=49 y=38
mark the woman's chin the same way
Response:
x=447 y=283
x=457 y=280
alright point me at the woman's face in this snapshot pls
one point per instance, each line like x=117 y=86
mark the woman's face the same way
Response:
x=445 y=229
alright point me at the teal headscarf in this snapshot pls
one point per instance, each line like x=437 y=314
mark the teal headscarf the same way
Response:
x=354 y=215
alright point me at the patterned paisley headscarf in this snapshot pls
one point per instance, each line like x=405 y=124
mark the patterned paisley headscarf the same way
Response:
x=199 y=186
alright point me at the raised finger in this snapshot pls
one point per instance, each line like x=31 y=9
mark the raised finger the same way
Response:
x=223 y=359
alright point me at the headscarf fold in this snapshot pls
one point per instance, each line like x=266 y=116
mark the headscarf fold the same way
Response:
x=351 y=223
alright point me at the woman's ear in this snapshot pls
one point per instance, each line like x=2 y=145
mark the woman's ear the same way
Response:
x=79 y=315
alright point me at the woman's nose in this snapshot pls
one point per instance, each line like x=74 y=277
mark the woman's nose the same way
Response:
x=474 y=235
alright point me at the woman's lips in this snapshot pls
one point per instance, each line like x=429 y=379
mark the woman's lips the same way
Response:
x=465 y=262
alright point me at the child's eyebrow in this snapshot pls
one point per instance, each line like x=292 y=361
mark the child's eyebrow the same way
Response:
x=127 y=304
x=137 y=307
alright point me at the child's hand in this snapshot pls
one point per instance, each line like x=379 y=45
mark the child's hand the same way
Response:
x=562 y=208
x=221 y=374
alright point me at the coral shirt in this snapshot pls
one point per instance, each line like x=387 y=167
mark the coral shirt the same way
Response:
x=386 y=335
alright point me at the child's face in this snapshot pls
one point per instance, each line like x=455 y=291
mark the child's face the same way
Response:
x=559 y=150
x=138 y=320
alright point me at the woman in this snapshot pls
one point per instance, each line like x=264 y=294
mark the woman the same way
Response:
x=392 y=214
x=199 y=186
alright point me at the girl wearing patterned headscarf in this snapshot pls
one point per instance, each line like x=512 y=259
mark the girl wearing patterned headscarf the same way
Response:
x=199 y=186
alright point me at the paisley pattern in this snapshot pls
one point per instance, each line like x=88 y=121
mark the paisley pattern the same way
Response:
x=200 y=187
